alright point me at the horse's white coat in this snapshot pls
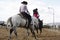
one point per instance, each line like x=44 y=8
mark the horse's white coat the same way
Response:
x=17 y=20
x=35 y=21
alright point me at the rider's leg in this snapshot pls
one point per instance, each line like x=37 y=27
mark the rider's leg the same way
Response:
x=27 y=16
x=29 y=20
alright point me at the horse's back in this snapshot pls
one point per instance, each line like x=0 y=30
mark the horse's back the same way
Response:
x=17 y=20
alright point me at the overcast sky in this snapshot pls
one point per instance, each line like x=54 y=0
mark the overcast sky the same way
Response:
x=9 y=8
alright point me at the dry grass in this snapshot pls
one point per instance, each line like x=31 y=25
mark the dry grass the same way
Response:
x=46 y=35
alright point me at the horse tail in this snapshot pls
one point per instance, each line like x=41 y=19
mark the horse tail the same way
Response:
x=9 y=23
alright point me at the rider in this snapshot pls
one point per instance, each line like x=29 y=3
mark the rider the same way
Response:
x=24 y=11
x=36 y=14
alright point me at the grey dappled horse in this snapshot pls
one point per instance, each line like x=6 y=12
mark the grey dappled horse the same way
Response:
x=18 y=21
x=38 y=24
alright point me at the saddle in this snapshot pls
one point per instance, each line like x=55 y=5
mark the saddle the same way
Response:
x=24 y=18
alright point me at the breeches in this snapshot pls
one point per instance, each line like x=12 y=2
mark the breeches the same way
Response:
x=27 y=16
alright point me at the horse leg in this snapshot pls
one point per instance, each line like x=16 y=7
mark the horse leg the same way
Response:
x=11 y=30
x=33 y=33
x=41 y=26
x=37 y=30
x=40 y=30
x=27 y=33
x=15 y=32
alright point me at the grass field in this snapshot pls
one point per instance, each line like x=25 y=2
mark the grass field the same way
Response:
x=46 y=35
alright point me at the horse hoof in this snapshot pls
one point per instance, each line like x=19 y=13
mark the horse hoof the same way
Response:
x=8 y=39
x=36 y=39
